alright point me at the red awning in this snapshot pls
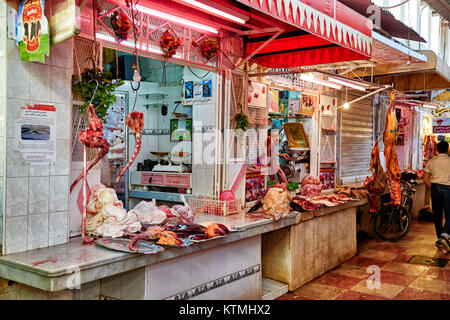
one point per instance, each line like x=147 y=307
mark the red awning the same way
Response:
x=326 y=32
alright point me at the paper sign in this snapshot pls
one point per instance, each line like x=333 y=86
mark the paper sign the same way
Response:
x=35 y=134
x=274 y=100
x=257 y=95
x=441 y=125
x=32 y=31
x=327 y=105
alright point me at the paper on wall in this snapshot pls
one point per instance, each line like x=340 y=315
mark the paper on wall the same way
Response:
x=35 y=134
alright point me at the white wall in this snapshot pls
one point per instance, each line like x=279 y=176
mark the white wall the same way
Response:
x=36 y=197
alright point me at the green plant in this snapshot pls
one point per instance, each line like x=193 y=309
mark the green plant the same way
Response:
x=241 y=120
x=104 y=95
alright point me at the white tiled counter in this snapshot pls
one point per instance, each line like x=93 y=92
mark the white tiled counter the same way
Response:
x=217 y=269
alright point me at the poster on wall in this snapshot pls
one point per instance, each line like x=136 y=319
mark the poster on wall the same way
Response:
x=257 y=95
x=294 y=107
x=181 y=129
x=198 y=92
x=309 y=103
x=35 y=133
x=441 y=125
x=32 y=31
x=274 y=100
x=327 y=177
x=327 y=105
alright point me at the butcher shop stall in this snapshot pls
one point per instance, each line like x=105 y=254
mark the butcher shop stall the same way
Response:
x=205 y=157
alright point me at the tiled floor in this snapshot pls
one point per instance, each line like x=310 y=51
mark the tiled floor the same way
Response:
x=399 y=280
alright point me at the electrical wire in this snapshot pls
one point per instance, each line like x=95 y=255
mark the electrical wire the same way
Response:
x=134 y=16
x=197 y=75
x=395 y=6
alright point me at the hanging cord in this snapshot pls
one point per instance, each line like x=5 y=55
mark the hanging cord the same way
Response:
x=164 y=80
x=395 y=6
x=135 y=46
x=197 y=75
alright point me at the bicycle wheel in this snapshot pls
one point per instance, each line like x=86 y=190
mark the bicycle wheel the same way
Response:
x=392 y=223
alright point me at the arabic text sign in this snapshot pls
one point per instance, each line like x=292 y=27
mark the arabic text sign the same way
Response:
x=441 y=125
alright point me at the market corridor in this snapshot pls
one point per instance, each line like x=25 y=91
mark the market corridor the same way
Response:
x=400 y=280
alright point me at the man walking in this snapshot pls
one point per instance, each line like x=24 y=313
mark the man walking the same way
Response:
x=437 y=177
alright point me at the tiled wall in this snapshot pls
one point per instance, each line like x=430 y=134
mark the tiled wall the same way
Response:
x=302 y=252
x=2 y=114
x=182 y=276
x=36 y=196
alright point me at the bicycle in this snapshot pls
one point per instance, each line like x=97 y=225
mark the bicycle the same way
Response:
x=392 y=222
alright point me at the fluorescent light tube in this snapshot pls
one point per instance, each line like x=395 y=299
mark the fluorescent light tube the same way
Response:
x=167 y=16
x=309 y=77
x=131 y=45
x=215 y=11
x=347 y=84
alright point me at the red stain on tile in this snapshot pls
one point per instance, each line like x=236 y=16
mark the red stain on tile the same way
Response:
x=418 y=294
x=365 y=262
x=353 y=295
x=337 y=280
x=396 y=278
x=43 y=261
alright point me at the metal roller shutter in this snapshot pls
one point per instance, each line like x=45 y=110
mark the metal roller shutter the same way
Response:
x=356 y=138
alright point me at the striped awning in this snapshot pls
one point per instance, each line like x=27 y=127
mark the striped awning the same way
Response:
x=327 y=32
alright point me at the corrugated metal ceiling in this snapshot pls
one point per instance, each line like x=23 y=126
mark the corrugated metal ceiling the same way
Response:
x=440 y=6
x=388 y=22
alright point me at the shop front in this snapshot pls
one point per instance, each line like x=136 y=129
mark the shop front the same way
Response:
x=172 y=157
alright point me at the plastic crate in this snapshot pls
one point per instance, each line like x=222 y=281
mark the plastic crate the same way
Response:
x=213 y=206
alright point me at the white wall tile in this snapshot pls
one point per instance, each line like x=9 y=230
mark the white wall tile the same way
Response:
x=180 y=275
x=2 y=189
x=251 y=252
x=63 y=121
x=38 y=199
x=158 y=281
x=12 y=51
x=61 y=88
x=235 y=257
x=62 y=164
x=2 y=153
x=16 y=197
x=58 y=229
x=16 y=234
x=59 y=193
x=37 y=231
x=218 y=266
x=16 y=167
x=18 y=80
x=39 y=82
x=13 y=111
x=218 y=293
x=39 y=170
x=200 y=264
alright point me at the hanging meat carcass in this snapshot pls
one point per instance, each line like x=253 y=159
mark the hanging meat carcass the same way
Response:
x=91 y=137
x=393 y=173
x=376 y=183
x=135 y=121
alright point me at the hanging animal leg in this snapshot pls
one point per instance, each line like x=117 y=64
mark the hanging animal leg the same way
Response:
x=84 y=213
x=101 y=154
